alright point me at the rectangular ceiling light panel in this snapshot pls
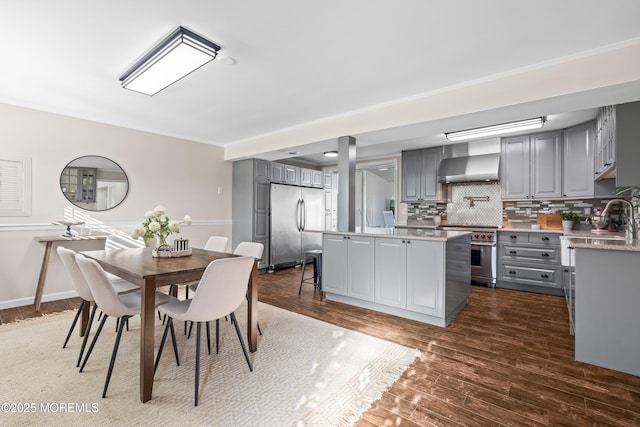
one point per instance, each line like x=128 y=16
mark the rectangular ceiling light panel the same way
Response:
x=496 y=129
x=176 y=56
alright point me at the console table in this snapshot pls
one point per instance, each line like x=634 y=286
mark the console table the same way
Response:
x=48 y=241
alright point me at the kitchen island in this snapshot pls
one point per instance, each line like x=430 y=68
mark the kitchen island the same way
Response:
x=423 y=275
x=607 y=292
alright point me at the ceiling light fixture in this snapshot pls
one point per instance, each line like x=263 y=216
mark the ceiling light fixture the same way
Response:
x=529 y=124
x=181 y=53
x=331 y=154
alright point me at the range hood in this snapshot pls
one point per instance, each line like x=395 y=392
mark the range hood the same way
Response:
x=478 y=168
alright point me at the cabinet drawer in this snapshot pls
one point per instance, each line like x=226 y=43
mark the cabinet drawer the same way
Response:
x=549 y=255
x=535 y=276
x=513 y=236
x=544 y=238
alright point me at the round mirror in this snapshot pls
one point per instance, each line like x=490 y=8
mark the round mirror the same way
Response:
x=94 y=183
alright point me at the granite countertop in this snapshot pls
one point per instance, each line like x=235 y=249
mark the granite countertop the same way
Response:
x=404 y=233
x=616 y=243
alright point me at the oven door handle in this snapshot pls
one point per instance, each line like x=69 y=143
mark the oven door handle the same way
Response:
x=483 y=244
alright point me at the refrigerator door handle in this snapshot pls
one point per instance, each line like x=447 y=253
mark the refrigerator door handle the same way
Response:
x=298 y=210
x=303 y=215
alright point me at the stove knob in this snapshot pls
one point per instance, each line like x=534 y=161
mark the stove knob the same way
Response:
x=482 y=236
x=489 y=236
x=475 y=235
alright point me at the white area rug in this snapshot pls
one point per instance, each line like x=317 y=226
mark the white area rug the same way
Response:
x=306 y=373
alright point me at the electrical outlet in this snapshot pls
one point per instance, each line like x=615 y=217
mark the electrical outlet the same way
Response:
x=219 y=190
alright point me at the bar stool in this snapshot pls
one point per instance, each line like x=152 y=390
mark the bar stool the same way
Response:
x=315 y=255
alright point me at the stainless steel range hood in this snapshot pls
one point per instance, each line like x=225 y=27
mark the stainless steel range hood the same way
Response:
x=480 y=168
x=477 y=161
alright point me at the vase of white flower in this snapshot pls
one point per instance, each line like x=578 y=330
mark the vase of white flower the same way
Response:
x=157 y=225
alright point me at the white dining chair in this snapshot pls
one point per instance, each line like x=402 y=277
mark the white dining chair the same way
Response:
x=121 y=286
x=121 y=306
x=215 y=244
x=250 y=249
x=220 y=292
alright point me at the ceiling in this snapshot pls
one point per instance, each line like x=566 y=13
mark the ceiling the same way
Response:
x=315 y=64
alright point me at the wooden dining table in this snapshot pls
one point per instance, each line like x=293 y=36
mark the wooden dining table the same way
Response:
x=137 y=266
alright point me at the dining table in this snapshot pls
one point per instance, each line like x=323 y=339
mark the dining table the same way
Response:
x=138 y=266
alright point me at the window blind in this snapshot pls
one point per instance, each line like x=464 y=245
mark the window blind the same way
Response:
x=15 y=187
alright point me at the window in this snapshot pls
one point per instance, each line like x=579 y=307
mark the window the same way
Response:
x=15 y=186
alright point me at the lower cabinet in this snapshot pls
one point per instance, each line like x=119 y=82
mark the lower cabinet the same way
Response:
x=410 y=275
x=348 y=266
x=420 y=279
x=529 y=261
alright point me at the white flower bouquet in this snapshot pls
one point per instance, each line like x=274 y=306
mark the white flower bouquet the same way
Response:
x=157 y=223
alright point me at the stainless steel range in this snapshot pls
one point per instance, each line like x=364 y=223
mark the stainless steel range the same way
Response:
x=484 y=242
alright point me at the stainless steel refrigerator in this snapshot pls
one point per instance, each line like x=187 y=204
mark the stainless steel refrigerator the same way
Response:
x=297 y=223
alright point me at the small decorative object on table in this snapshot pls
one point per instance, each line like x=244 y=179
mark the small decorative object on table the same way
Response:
x=156 y=224
x=68 y=223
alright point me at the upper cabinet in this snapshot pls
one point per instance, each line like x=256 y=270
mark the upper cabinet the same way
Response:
x=617 y=145
x=285 y=174
x=577 y=161
x=311 y=178
x=605 y=155
x=531 y=167
x=627 y=144
x=420 y=175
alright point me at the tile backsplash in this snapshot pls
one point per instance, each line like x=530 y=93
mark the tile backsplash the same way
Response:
x=494 y=211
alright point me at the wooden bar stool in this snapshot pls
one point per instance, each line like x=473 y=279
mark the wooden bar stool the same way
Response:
x=315 y=255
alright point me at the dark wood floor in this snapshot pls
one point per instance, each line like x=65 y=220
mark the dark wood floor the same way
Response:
x=506 y=359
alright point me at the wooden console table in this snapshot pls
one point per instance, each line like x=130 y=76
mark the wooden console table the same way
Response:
x=49 y=240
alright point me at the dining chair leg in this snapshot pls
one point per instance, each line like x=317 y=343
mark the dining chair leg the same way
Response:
x=244 y=349
x=95 y=339
x=123 y=319
x=208 y=338
x=168 y=328
x=190 y=328
x=197 y=379
x=217 y=336
x=73 y=324
x=86 y=333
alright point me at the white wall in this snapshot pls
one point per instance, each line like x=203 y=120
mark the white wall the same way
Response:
x=182 y=175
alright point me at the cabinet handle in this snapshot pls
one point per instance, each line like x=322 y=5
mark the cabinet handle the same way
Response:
x=545 y=239
x=607 y=164
x=544 y=254
x=512 y=272
x=513 y=236
x=544 y=276
x=408 y=241
x=513 y=252
x=403 y=241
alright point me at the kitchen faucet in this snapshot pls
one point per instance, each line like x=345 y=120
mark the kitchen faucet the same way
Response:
x=630 y=229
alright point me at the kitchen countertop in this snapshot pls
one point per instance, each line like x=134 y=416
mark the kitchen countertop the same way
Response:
x=404 y=233
x=588 y=242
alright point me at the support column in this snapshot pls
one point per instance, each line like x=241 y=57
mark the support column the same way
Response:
x=347 y=184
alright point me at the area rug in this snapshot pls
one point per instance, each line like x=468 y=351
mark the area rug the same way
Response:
x=306 y=373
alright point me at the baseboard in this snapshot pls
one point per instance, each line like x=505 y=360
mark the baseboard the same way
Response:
x=29 y=301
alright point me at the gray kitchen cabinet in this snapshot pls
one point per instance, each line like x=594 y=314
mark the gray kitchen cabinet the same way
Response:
x=285 y=174
x=577 y=161
x=410 y=275
x=529 y=261
x=250 y=204
x=605 y=154
x=531 y=167
x=627 y=148
x=348 y=262
x=391 y=272
x=311 y=178
x=617 y=148
x=425 y=277
x=334 y=264
x=420 y=175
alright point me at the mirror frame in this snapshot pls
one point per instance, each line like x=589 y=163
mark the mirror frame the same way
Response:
x=81 y=204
